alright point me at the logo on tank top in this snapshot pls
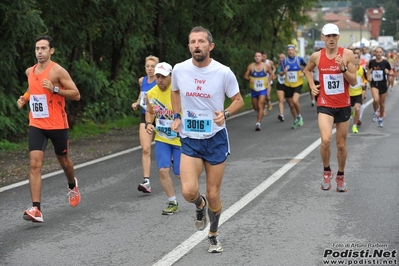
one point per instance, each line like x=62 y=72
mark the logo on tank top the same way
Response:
x=331 y=68
x=191 y=114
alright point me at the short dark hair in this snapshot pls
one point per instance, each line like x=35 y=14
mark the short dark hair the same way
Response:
x=47 y=38
x=201 y=29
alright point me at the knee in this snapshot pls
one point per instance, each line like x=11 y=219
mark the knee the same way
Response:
x=326 y=143
x=65 y=162
x=189 y=194
x=341 y=147
x=35 y=164
x=146 y=150
x=163 y=173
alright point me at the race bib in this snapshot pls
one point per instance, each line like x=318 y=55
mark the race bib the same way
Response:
x=38 y=106
x=143 y=103
x=292 y=76
x=163 y=126
x=333 y=84
x=378 y=75
x=359 y=82
x=197 y=123
x=259 y=85
x=281 y=79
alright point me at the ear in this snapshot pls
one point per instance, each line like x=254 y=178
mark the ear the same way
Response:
x=52 y=50
x=211 y=46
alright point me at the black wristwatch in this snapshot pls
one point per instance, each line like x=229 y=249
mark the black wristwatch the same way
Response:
x=146 y=124
x=226 y=114
x=345 y=69
x=56 y=90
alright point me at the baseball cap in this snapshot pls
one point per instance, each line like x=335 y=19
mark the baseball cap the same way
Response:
x=163 y=68
x=330 y=29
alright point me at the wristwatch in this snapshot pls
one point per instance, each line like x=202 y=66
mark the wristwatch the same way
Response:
x=56 y=90
x=176 y=116
x=146 y=124
x=345 y=69
x=226 y=114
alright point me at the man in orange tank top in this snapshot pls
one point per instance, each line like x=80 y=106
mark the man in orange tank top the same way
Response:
x=337 y=70
x=49 y=86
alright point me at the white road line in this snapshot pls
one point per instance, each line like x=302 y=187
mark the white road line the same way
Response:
x=196 y=238
x=177 y=253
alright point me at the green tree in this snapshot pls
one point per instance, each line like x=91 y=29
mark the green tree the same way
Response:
x=103 y=45
x=389 y=23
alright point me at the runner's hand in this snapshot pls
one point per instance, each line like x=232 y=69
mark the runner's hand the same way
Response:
x=47 y=84
x=219 y=118
x=175 y=125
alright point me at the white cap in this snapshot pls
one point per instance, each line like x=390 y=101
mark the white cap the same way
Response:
x=330 y=29
x=163 y=68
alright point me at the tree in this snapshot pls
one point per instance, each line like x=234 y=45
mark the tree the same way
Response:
x=389 y=23
x=103 y=45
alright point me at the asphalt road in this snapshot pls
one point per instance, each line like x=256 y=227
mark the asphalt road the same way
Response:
x=274 y=210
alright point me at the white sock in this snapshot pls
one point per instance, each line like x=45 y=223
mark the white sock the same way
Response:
x=173 y=198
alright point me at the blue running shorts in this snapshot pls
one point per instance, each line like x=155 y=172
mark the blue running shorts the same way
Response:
x=213 y=150
x=256 y=94
x=165 y=153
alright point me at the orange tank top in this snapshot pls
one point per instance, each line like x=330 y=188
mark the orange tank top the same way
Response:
x=334 y=88
x=47 y=110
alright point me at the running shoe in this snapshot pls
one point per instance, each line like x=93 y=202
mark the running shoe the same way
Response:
x=381 y=122
x=326 y=182
x=257 y=126
x=280 y=117
x=341 y=185
x=144 y=187
x=201 y=218
x=300 y=121
x=33 y=214
x=359 y=123
x=74 y=195
x=375 y=117
x=295 y=125
x=172 y=208
x=354 y=129
x=214 y=244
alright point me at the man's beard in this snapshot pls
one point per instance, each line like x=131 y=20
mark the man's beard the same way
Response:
x=199 y=57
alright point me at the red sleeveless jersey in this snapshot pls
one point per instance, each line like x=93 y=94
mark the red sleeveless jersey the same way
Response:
x=47 y=110
x=334 y=88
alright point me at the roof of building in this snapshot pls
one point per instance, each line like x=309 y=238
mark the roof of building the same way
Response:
x=333 y=17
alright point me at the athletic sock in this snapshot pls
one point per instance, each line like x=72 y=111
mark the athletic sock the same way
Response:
x=36 y=204
x=327 y=168
x=173 y=198
x=340 y=173
x=72 y=185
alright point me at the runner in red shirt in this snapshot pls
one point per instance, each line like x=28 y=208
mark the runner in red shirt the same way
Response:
x=336 y=71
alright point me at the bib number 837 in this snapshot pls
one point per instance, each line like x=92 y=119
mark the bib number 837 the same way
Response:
x=333 y=84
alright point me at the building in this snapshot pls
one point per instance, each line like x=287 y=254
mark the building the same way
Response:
x=373 y=17
x=349 y=30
